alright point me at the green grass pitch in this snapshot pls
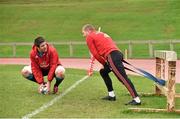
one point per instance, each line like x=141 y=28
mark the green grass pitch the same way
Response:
x=19 y=97
x=62 y=20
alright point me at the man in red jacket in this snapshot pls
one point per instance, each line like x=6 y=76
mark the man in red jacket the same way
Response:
x=44 y=62
x=107 y=53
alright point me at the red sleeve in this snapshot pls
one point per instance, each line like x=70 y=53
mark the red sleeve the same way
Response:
x=54 y=61
x=93 y=50
x=91 y=63
x=36 y=70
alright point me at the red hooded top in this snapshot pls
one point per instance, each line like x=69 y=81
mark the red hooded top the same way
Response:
x=47 y=62
x=100 y=45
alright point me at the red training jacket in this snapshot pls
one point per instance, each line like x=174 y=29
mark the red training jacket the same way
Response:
x=100 y=45
x=47 y=62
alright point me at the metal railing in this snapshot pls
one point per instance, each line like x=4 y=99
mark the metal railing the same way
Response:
x=150 y=43
x=130 y=44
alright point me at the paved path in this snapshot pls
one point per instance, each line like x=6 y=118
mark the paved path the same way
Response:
x=148 y=65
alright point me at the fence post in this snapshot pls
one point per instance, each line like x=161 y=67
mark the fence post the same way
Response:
x=71 y=49
x=126 y=54
x=130 y=49
x=150 y=49
x=14 y=49
x=171 y=45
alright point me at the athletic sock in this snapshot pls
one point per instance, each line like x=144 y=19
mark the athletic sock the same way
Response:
x=111 y=94
x=58 y=81
x=31 y=78
x=137 y=99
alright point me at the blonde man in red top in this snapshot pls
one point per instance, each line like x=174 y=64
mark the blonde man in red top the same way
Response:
x=44 y=62
x=107 y=53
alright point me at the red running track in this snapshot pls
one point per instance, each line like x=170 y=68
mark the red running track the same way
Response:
x=146 y=64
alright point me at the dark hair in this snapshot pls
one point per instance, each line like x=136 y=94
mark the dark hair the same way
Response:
x=38 y=41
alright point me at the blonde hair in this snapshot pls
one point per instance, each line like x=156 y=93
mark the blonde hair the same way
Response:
x=88 y=27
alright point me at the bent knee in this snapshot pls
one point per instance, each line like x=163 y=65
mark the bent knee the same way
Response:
x=26 y=71
x=102 y=72
x=60 y=72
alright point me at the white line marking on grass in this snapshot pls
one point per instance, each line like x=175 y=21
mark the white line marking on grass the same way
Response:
x=46 y=105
